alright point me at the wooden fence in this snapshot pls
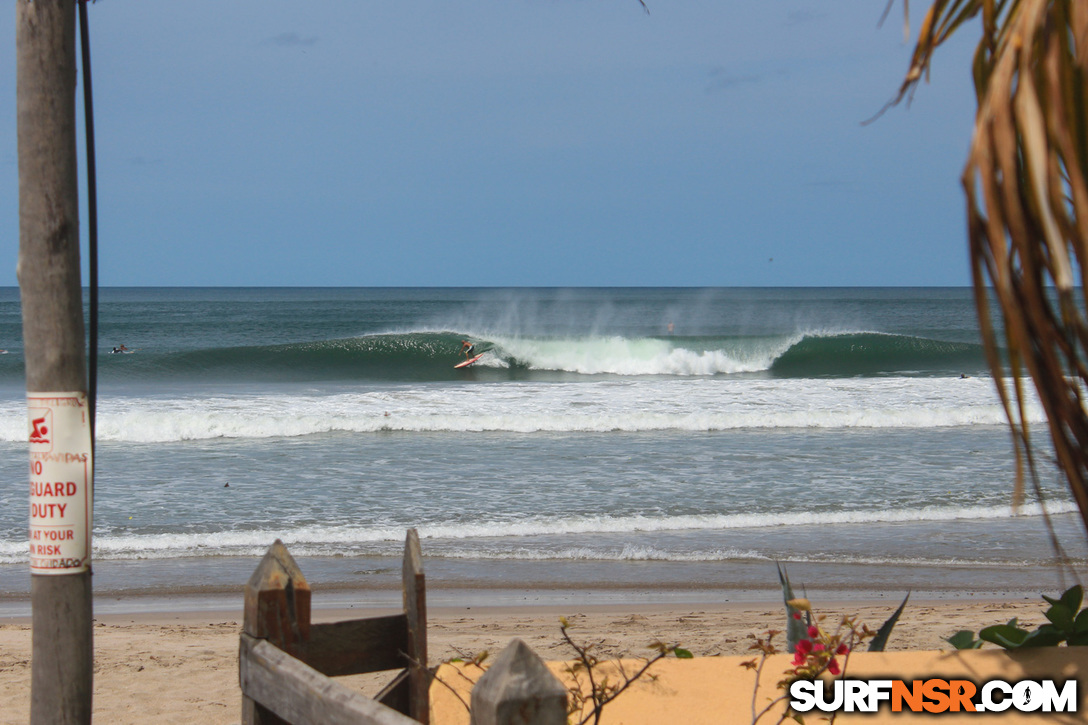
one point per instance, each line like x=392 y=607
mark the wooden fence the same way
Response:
x=286 y=663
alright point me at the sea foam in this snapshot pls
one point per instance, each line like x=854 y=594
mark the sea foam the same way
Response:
x=355 y=540
x=705 y=404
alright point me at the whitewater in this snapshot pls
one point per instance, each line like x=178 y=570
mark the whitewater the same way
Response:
x=685 y=405
x=673 y=437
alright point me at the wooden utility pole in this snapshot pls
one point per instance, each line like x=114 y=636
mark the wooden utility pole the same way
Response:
x=53 y=336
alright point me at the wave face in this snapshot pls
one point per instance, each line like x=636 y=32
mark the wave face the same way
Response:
x=401 y=335
x=861 y=353
x=410 y=357
x=424 y=356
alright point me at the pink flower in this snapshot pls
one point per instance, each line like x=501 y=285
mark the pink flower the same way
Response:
x=842 y=650
x=818 y=647
x=813 y=631
x=803 y=647
x=796 y=615
x=798 y=659
x=833 y=667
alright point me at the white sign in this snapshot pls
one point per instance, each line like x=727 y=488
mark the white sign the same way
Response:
x=61 y=477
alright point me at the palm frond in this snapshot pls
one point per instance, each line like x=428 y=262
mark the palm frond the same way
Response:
x=1027 y=209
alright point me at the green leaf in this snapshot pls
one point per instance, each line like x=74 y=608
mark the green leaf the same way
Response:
x=964 y=639
x=1080 y=624
x=1061 y=616
x=1078 y=640
x=1073 y=596
x=880 y=641
x=1046 y=636
x=683 y=654
x=1004 y=635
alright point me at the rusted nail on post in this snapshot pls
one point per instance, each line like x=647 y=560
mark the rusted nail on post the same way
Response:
x=518 y=689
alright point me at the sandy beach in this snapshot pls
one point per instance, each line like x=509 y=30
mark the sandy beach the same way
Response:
x=182 y=667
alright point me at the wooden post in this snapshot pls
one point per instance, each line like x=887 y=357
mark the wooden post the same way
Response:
x=518 y=690
x=51 y=296
x=277 y=609
x=415 y=609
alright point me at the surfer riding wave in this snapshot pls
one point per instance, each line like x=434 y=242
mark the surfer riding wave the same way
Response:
x=467 y=348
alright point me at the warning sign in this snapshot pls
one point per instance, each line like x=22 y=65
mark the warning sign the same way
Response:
x=60 y=482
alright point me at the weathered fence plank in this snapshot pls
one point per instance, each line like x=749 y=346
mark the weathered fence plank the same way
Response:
x=298 y=693
x=415 y=609
x=357 y=646
x=518 y=689
x=395 y=694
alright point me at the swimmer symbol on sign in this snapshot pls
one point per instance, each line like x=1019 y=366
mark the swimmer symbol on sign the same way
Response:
x=39 y=432
x=41 y=424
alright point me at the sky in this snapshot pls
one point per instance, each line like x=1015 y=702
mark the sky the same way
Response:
x=515 y=143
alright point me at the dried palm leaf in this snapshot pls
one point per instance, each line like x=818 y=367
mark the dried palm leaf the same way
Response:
x=1027 y=208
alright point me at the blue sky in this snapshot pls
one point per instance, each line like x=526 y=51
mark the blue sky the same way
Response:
x=515 y=142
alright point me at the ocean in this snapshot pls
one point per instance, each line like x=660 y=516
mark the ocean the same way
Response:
x=633 y=443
